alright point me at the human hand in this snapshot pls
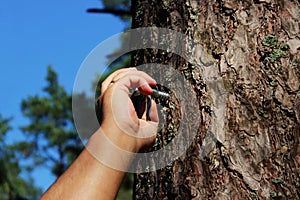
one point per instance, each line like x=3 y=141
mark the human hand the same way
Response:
x=119 y=119
x=98 y=172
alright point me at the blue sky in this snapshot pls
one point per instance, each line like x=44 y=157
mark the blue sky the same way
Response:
x=38 y=33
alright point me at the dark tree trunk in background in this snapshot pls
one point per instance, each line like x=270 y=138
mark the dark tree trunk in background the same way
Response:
x=255 y=46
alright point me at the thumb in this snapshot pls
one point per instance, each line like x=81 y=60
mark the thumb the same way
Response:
x=153 y=115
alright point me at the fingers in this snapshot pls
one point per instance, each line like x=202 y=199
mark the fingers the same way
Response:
x=153 y=112
x=113 y=77
x=148 y=129
x=138 y=79
x=130 y=78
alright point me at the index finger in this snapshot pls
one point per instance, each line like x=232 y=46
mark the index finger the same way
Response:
x=112 y=76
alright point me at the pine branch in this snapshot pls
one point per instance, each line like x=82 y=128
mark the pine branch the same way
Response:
x=118 y=12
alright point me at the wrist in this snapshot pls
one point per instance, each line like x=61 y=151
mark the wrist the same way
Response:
x=119 y=138
x=108 y=152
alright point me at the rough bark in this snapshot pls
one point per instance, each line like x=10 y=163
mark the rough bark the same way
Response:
x=255 y=46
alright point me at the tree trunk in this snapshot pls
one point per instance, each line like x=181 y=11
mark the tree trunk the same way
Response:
x=255 y=47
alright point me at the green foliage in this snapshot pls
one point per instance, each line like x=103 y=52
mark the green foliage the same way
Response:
x=12 y=186
x=273 y=194
x=277 y=53
x=271 y=41
x=51 y=135
x=294 y=62
x=277 y=49
x=4 y=128
x=278 y=180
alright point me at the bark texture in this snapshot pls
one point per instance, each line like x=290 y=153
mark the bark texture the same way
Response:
x=255 y=47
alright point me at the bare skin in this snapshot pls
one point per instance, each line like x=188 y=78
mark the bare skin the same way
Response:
x=87 y=177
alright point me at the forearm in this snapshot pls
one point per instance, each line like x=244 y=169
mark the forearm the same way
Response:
x=86 y=178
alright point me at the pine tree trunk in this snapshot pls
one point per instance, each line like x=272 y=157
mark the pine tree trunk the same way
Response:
x=255 y=47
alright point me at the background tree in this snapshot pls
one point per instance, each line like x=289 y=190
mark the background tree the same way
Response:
x=12 y=185
x=255 y=47
x=51 y=138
